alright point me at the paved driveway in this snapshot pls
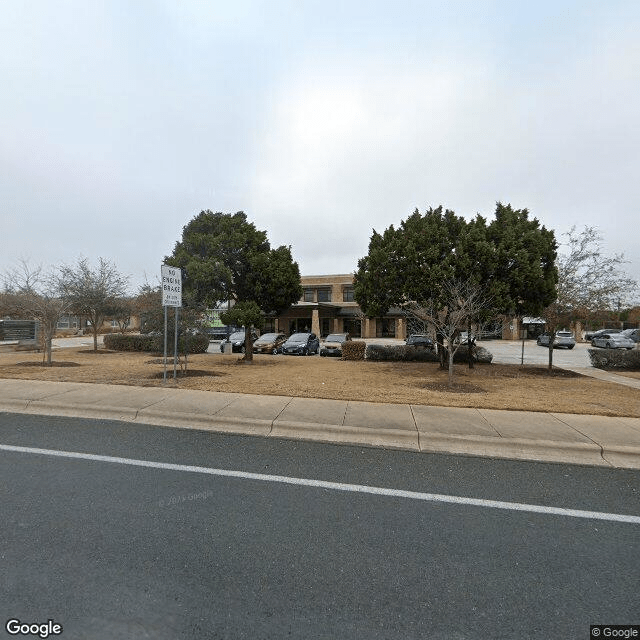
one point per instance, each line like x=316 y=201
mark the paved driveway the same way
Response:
x=510 y=352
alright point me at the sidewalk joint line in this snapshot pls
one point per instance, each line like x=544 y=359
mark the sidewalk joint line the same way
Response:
x=479 y=412
x=415 y=423
x=279 y=414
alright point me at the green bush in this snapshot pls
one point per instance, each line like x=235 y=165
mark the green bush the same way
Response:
x=196 y=343
x=615 y=359
x=193 y=343
x=480 y=354
x=133 y=342
x=399 y=353
x=353 y=350
x=409 y=353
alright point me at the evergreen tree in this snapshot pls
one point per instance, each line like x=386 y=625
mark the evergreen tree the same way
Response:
x=224 y=257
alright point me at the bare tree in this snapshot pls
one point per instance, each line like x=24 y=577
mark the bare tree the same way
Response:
x=123 y=309
x=32 y=294
x=467 y=304
x=92 y=292
x=589 y=283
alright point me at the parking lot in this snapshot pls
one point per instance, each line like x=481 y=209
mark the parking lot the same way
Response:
x=510 y=352
x=504 y=352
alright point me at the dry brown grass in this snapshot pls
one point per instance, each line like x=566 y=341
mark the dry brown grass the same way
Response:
x=487 y=386
x=629 y=374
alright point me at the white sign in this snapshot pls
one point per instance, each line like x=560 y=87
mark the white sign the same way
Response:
x=171 y=286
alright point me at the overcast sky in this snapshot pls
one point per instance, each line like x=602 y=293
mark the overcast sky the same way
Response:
x=121 y=120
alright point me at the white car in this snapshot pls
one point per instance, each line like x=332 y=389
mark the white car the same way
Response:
x=633 y=334
x=562 y=339
x=613 y=341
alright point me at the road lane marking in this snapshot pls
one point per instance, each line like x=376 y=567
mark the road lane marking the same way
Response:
x=334 y=486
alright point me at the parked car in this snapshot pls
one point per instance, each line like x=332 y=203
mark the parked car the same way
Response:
x=269 y=343
x=301 y=344
x=420 y=340
x=332 y=345
x=237 y=341
x=220 y=333
x=613 y=341
x=632 y=334
x=564 y=339
x=590 y=335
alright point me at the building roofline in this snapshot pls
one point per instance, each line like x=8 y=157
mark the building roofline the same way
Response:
x=329 y=275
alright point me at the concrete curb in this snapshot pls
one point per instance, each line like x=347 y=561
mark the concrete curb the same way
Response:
x=427 y=442
x=345 y=434
x=519 y=449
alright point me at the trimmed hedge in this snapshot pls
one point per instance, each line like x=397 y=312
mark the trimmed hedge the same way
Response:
x=353 y=350
x=409 y=353
x=136 y=342
x=399 y=353
x=198 y=343
x=480 y=354
x=615 y=358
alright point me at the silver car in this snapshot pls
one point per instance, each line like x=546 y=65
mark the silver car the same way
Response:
x=613 y=341
x=632 y=334
x=562 y=339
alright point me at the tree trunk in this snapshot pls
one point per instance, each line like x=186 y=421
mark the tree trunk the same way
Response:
x=551 y=338
x=450 y=367
x=248 y=345
x=442 y=352
x=469 y=344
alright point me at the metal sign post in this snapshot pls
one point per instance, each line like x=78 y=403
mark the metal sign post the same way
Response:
x=171 y=297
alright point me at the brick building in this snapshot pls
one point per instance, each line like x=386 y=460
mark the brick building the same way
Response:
x=328 y=306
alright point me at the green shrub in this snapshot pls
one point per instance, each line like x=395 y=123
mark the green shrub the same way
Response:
x=399 y=353
x=353 y=350
x=480 y=354
x=133 y=342
x=409 y=353
x=193 y=343
x=615 y=359
x=196 y=343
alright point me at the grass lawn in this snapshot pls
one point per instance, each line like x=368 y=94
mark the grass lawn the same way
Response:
x=495 y=386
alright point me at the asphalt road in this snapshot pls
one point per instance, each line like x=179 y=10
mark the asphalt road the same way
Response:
x=112 y=549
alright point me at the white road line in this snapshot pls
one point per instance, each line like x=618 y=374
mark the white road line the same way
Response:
x=335 y=486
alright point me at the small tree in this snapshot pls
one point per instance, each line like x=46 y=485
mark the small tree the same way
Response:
x=589 y=283
x=123 y=309
x=30 y=293
x=92 y=292
x=147 y=304
x=247 y=315
x=465 y=303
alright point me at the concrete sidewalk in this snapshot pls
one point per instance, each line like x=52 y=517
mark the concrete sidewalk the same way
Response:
x=552 y=437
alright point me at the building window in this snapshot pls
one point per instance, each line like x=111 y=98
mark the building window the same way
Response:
x=386 y=328
x=324 y=295
x=347 y=295
x=308 y=295
x=67 y=322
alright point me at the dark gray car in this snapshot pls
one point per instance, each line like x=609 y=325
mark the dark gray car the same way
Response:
x=301 y=344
